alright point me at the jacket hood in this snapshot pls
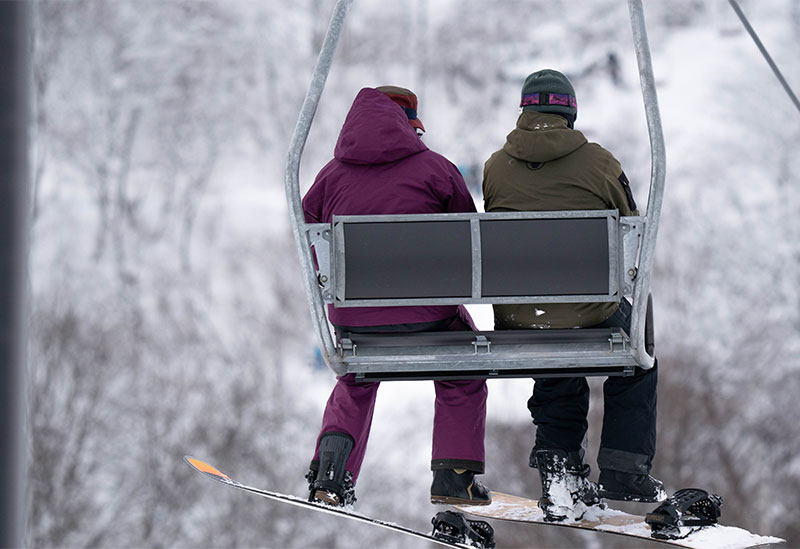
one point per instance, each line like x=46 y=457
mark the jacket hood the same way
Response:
x=542 y=137
x=376 y=131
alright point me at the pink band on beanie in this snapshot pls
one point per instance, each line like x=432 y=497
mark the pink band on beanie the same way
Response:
x=549 y=99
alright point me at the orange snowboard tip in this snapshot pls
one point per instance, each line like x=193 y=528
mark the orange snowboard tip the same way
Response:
x=206 y=468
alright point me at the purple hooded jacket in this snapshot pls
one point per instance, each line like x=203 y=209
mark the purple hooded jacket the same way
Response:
x=380 y=166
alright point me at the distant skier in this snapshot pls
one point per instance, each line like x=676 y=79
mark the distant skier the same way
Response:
x=381 y=166
x=546 y=165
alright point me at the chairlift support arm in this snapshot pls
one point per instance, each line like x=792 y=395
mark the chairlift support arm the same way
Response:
x=657 y=177
x=292 y=181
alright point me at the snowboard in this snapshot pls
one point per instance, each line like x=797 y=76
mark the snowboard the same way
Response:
x=216 y=474
x=519 y=509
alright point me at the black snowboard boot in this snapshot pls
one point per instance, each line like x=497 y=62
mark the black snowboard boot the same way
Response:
x=458 y=487
x=330 y=483
x=622 y=486
x=566 y=489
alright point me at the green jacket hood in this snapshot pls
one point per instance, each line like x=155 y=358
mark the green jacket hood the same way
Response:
x=542 y=137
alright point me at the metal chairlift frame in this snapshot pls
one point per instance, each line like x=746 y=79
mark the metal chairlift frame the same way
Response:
x=634 y=347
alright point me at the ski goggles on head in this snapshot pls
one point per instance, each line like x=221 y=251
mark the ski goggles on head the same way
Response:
x=560 y=99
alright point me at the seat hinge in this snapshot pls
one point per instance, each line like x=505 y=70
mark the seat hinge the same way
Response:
x=346 y=344
x=480 y=342
x=617 y=339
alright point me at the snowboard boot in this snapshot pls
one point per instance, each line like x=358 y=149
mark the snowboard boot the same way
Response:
x=621 y=486
x=455 y=528
x=458 y=487
x=566 y=489
x=331 y=483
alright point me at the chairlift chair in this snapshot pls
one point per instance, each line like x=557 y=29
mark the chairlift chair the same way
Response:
x=438 y=259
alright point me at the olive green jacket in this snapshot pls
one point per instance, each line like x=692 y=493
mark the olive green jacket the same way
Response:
x=546 y=166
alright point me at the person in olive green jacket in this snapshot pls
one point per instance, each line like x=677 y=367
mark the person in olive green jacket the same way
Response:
x=547 y=165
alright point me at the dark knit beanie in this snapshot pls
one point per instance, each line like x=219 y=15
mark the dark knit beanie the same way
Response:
x=550 y=91
x=406 y=99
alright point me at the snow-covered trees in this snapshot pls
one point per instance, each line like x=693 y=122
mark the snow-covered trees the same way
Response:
x=163 y=317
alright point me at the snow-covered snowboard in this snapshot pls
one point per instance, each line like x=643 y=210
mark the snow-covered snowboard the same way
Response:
x=216 y=474
x=518 y=509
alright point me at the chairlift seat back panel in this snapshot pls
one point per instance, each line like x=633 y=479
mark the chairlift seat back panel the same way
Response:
x=408 y=260
x=545 y=257
x=463 y=258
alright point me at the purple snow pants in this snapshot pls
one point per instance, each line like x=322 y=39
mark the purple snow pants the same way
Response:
x=459 y=421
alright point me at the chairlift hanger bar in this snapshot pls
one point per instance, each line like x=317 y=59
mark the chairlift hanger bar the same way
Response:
x=765 y=53
x=303 y=236
x=657 y=176
x=292 y=182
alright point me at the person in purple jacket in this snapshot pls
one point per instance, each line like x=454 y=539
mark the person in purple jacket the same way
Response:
x=381 y=166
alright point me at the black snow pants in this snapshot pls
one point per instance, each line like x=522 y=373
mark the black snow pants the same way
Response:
x=559 y=407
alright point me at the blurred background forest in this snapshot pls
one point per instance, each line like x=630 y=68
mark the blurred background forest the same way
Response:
x=167 y=314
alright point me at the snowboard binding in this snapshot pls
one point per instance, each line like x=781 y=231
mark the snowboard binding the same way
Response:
x=687 y=507
x=454 y=528
x=328 y=481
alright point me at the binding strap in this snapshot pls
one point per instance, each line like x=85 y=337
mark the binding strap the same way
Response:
x=687 y=507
